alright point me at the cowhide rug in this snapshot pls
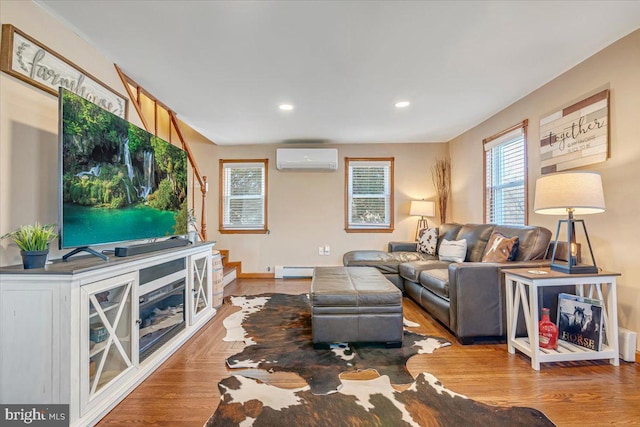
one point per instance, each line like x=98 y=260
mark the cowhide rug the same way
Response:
x=246 y=401
x=277 y=331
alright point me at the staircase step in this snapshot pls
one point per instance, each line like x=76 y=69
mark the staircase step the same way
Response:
x=229 y=274
x=228 y=269
x=224 y=256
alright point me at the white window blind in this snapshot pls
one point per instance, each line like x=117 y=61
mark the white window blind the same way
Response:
x=369 y=194
x=243 y=197
x=505 y=168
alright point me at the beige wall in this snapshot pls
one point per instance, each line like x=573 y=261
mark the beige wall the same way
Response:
x=613 y=233
x=29 y=126
x=306 y=209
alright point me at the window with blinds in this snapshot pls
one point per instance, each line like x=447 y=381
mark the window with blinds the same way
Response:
x=506 y=177
x=369 y=195
x=243 y=204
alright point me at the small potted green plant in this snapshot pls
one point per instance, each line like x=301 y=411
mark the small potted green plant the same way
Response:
x=33 y=241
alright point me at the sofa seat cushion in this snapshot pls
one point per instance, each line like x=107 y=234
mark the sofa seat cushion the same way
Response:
x=411 y=270
x=385 y=262
x=437 y=281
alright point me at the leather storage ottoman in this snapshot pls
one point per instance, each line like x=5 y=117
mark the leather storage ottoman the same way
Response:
x=355 y=304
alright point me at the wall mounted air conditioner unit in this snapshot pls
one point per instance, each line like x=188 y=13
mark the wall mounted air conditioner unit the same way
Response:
x=322 y=159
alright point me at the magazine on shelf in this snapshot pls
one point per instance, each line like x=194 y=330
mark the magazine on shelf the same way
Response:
x=580 y=321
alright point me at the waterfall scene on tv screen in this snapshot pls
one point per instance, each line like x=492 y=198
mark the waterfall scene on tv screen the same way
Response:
x=119 y=182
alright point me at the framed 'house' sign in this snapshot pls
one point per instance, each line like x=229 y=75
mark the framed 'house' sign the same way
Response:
x=575 y=136
x=30 y=61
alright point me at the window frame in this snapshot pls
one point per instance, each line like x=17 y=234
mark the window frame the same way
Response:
x=221 y=198
x=348 y=227
x=492 y=140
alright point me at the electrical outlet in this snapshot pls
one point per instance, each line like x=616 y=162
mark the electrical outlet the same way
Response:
x=320 y=250
x=327 y=250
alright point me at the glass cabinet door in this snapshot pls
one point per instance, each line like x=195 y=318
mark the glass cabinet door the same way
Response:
x=108 y=333
x=200 y=281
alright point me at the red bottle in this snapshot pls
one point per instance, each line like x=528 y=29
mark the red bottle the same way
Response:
x=548 y=331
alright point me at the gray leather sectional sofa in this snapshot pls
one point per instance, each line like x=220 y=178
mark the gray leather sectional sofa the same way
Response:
x=467 y=297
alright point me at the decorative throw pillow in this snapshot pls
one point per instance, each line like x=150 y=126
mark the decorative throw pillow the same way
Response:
x=428 y=241
x=500 y=248
x=453 y=250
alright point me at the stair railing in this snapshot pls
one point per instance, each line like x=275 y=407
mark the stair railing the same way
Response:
x=174 y=125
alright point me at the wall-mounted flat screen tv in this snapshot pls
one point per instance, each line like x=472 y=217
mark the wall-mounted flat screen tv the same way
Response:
x=118 y=181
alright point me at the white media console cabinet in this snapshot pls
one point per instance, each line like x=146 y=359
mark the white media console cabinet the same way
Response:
x=86 y=332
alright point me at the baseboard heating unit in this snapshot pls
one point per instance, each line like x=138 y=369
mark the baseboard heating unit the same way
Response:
x=288 y=272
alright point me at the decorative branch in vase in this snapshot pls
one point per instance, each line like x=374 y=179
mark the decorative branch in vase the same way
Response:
x=192 y=226
x=441 y=176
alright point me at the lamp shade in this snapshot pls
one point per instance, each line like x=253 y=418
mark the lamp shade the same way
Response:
x=580 y=191
x=422 y=208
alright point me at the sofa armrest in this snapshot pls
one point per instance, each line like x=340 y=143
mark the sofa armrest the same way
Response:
x=403 y=246
x=477 y=297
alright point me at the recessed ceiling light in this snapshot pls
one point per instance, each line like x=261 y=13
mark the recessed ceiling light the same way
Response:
x=402 y=104
x=285 y=107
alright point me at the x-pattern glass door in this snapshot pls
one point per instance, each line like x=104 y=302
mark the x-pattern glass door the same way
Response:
x=109 y=332
x=200 y=285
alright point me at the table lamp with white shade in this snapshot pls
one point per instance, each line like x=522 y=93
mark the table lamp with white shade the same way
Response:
x=570 y=193
x=422 y=208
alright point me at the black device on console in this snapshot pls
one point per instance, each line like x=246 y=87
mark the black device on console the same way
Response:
x=144 y=248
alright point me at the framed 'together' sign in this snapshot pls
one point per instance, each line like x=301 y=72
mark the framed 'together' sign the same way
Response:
x=575 y=136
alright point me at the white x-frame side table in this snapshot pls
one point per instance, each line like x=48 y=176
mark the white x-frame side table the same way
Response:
x=600 y=286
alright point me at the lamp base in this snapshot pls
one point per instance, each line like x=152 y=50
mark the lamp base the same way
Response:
x=571 y=265
x=574 y=269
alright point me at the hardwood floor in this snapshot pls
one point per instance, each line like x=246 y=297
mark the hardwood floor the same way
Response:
x=183 y=391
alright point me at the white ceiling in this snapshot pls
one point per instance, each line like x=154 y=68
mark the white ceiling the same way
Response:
x=225 y=66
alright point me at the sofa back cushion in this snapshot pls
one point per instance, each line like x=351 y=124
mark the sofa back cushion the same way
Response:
x=532 y=241
x=477 y=236
x=449 y=232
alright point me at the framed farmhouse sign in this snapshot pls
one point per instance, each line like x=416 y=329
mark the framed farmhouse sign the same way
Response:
x=575 y=136
x=29 y=60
